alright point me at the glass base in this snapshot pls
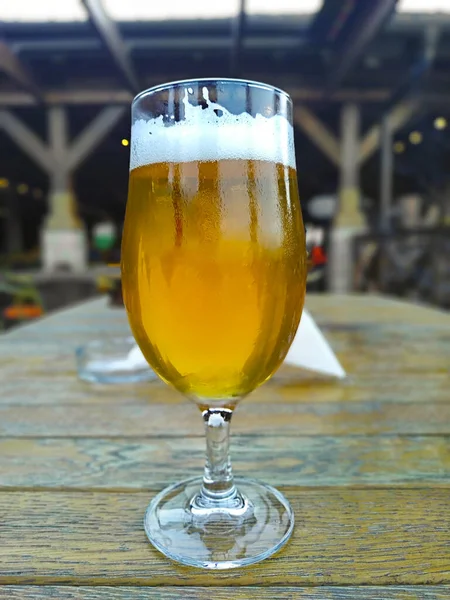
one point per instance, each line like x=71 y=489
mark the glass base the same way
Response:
x=257 y=524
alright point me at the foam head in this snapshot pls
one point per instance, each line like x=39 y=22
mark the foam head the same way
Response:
x=211 y=132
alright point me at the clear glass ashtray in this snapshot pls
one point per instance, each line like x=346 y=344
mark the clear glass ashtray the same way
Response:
x=113 y=360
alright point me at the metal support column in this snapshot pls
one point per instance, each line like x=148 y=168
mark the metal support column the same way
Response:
x=350 y=125
x=13 y=228
x=387 y=172
x=386 y=187
x=237 y=39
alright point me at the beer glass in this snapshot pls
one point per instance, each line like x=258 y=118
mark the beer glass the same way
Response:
x=214 y=275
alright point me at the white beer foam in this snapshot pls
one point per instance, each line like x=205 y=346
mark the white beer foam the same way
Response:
x=205 y=136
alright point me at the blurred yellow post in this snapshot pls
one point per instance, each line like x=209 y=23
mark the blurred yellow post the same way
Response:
x=349 y=220
x=63 y=239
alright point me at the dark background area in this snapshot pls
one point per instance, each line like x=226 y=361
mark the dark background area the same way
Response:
x=303 y=53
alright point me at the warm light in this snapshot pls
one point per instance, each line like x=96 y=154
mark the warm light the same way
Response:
x=399 y=147
x=37 y=194
x=125 y=142
x=440 y=123
x=415 y=137
x=4 y=183
x=22 y=188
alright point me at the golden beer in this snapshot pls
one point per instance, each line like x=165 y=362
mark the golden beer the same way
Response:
x=214 y=269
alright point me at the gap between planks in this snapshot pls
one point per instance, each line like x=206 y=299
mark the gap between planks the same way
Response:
x=150 y=464
x=243 y=593
x=141 y=420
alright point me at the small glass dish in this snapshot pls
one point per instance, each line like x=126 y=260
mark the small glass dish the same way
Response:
x=112 y=360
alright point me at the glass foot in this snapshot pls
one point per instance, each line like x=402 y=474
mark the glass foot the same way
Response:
x=252 y=529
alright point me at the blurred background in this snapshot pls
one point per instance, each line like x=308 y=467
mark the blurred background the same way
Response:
x=370 y=80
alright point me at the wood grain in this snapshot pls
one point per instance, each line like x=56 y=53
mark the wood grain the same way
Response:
x=124 y=464
x=148 y=419
x=393 y=352
x=364 y=463
x=358 y=308
x=367 y=349
x=342 y=537
x=246 y=593
x=335 y=310
x=32 y=385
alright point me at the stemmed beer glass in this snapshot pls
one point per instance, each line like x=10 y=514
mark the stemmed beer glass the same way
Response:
x=214 y=275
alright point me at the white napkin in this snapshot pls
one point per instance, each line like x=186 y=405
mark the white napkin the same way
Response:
x=310 y=350
x=134 y=360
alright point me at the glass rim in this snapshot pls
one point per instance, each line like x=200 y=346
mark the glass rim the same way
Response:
x=203 y=80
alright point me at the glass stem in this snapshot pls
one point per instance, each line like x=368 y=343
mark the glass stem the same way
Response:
x=218 y=486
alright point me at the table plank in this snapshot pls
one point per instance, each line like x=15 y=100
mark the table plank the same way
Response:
x=379 y=309
x=129 y=464
x=246 y=593
x=342 y=537
x=364 y=350
x=337 y=309
x=79 y=466
x=148 y=419
x=30 y=384
x=389 y=359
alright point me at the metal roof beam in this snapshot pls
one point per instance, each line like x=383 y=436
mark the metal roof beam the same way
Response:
x=419 y=72
x=111 y=37
x=237 y=40
x=26 y=139
x=405 y=102
x=121 y=96
x=373 y=17
x=12 y=66
x=108 y=97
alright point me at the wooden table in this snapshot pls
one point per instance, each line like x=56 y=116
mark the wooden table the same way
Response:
x=365 y=463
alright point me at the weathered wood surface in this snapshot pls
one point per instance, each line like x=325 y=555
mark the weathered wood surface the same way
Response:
x=403 y=357
x=148 y=464
x=148 y=419
x=342 y=536
x=19 y=385
x=365 y=463
x=239 y=593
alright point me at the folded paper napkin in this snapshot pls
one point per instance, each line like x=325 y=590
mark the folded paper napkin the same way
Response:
x=310 y=350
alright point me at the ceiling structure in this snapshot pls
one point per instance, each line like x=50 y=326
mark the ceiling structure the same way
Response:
x=96 y=47
x=86 y=54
